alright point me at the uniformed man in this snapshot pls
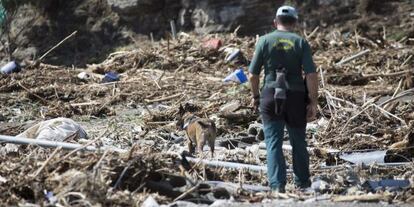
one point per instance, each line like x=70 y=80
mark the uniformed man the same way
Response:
x=285 y=98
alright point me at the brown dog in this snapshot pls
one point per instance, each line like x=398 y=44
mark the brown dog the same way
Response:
x=199 y=131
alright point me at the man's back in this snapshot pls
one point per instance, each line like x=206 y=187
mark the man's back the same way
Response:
x=287 y=49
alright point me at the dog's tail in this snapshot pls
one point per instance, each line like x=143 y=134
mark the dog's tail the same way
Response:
x=206 y=124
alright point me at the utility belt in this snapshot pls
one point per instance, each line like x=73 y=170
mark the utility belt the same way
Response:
x=279 y=87
x=279 y=102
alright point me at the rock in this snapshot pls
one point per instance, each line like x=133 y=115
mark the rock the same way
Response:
x=220 y=203
x=25 y=53
x=95 y=32
x=320 y=186
x=230 y=107
x=135 y=7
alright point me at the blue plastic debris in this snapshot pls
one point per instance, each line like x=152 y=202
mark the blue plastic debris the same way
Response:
x=110 y=77
x=237 y=76
x=10 y=67
x=50 y=197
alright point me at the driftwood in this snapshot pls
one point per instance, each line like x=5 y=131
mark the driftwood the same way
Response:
x=46 y=162
x=85 y=104
x=353 y=57
x=164 y=98
x=189 y=191
x=361 y=198
x=241 y=116
x=44 y=101
x=57 y=45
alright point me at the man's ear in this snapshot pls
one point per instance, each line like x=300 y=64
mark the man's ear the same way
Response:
x=275 y=23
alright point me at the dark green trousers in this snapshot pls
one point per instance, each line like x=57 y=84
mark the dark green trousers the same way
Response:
x=294 y=119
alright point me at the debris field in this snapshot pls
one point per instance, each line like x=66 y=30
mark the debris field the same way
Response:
x=365 y=107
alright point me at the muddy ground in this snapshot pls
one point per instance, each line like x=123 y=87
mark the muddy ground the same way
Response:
x=365 y=104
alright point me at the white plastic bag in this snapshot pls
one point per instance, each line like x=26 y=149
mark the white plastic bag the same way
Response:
x=58 y=129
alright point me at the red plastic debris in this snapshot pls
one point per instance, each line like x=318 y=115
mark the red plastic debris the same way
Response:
x=212 y=44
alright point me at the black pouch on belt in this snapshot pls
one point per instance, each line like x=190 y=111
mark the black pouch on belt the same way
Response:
x=280 y=90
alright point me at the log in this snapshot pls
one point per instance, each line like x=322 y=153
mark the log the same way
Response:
x=362 y=198
x=186 y=193
x=233 y=187
x=85 y=104
x=164 y=98
x=230 y=165
x=313 y=33
x=387 y=74
x=353 y=57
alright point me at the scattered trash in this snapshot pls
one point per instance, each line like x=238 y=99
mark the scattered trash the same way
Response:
x=232 y=53
x=84 y=76
x=237 y=76
x=178 y=71
x=388 y=184
x=366 y=158
x=110 y=77
x=10 y=67
x=150 y=202
x=58 y=129
x=50 y=197
x=316 y=125
x=213 y=44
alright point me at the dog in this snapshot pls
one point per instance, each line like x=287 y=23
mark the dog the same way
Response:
x=199 y=131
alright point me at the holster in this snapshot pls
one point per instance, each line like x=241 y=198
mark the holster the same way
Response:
x=280 y=91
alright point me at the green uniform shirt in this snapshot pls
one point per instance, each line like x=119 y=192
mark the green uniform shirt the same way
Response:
x=288 y=50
